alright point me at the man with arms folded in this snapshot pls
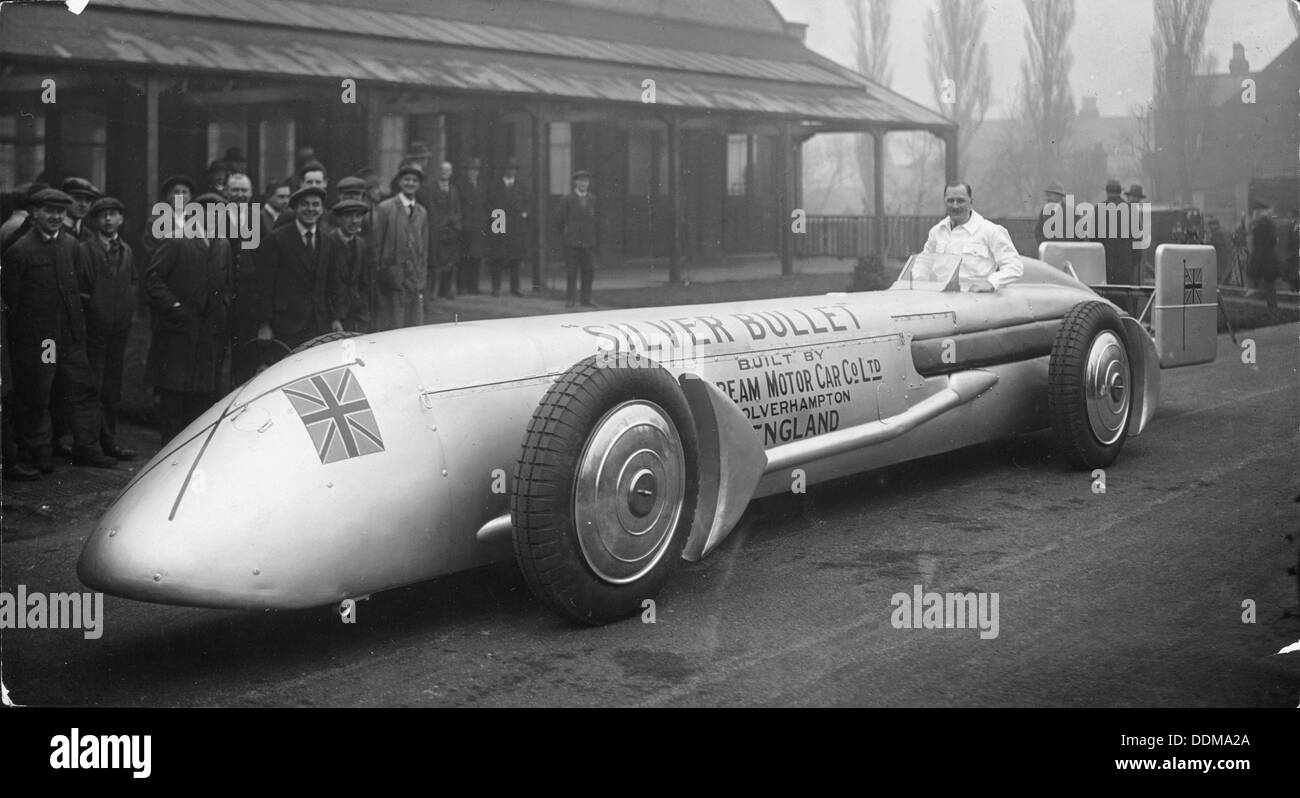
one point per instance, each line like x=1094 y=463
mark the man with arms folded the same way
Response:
x=988 y=258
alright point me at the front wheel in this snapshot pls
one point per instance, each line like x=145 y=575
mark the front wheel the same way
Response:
x=605 y=489
x=1090 y=385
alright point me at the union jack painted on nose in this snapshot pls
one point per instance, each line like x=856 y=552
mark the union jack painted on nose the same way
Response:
x=337 y=415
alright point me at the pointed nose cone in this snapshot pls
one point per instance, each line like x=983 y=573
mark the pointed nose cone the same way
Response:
x=319 y=480
x=163 y=539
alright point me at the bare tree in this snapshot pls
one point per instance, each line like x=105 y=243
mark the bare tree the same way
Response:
x=958 y=53
x=1047 y=104
x=1012 y=186
x=869 y=20
x=1139 y=140
x=1177 y=49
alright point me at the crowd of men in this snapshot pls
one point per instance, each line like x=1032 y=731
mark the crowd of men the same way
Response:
x=371 y=260
x=1257 y=236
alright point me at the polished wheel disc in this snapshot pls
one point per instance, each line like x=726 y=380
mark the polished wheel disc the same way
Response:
x=628 y=495
x=1107 y=387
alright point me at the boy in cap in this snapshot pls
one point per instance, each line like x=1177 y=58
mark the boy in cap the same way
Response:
x=400 y=242
x=354 y=266
x=354 y=188
x=45 y=288
x=111 y=266
x=83 y=193
x=580 y=232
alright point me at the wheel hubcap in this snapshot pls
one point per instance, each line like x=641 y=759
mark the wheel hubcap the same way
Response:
x=1106 y=387
x=628 y=496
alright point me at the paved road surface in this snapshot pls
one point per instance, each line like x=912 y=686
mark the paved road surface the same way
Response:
x=1131 y=597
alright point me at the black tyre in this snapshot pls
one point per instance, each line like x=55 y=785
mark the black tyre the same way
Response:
x=1090 y=385
x=605 y=489
x=323 y=339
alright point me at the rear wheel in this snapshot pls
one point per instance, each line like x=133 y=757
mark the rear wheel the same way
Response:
x=1090 y=385
x=605 y=489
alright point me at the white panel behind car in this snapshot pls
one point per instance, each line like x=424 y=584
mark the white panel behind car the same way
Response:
x=1088 y=258
x=1185 y=314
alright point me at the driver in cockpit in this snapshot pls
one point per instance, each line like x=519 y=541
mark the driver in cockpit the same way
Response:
x=988 y=258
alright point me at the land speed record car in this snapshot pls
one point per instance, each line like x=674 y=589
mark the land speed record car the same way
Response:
x=598 y=449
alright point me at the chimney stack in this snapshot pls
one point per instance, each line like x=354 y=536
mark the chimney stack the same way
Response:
x=1238 y=66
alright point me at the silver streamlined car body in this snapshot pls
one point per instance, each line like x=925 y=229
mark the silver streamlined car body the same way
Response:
x=601 y=447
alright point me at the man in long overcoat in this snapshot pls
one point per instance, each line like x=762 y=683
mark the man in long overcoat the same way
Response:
x=188 y=285
x=401 y=241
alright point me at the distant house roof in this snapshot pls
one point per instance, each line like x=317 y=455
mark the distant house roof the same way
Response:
x=597 y=50
x=1223 y=88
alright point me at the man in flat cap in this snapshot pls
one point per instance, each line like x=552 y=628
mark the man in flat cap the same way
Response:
x=188 y=285
x=354 y=266
x=474 y=220
x=401 y=251
x=111 y=265
x=83 y=193
x=299 y=288
x=354 y=188
x=508 y=244
x=311 y=175
x=444 y=233
x=579 y=229
x=46 y=287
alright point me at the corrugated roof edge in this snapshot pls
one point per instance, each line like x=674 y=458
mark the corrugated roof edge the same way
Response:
x=799 y=55
x=939 y=119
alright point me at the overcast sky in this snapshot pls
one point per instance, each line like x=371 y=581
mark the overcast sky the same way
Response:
x=1110 y=43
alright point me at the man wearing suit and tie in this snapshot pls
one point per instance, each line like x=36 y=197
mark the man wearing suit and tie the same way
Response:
x=401 y=248
x=299 y=282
